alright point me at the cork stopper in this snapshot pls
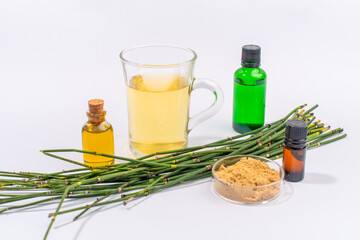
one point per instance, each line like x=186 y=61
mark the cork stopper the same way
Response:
x=96 y=112
x=96 y=106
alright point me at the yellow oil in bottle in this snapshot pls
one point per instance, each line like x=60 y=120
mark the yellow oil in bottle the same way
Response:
x=97 y=136
x=158 y=108
x=98 y=140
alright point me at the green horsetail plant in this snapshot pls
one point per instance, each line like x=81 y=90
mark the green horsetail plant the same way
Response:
x=136 y=178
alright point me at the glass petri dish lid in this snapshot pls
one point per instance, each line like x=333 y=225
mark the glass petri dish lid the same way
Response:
x=247 y=194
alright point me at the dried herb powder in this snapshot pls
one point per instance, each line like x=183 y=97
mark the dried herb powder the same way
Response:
x=248 y=172
x=247 y=181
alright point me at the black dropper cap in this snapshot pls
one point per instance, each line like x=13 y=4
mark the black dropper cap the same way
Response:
x=296 y=133
x=250 y=57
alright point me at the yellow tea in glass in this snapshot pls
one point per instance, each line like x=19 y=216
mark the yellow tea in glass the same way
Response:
x=158 y=113
x=159 y=80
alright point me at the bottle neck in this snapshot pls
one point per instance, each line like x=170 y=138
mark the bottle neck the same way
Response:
x=250 y=65
x=96 y=119
x=295 y=144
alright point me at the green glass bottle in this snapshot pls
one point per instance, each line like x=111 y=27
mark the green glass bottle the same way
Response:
x=249 y=91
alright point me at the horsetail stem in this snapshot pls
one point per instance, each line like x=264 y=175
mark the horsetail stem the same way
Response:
x=137 y=178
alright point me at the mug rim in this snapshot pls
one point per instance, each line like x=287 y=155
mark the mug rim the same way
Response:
x=124 y=60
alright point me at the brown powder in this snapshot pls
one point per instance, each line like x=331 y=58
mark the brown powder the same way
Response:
x=251 y=179
x=248 y=172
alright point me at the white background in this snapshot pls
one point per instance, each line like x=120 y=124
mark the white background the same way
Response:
x=56 y=55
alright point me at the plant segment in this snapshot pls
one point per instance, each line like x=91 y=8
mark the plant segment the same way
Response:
x=136 y=178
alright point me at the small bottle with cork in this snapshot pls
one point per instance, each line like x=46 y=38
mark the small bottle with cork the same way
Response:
x=97 y=135
x=294 y=152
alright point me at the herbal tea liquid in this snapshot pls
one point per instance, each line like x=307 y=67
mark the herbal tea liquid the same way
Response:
x=158 y=113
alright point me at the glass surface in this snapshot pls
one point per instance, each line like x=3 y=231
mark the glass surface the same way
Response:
x=159 y=80
x=158 y=120
x=294 y=164
x=98 y=138
x=249 y=99
x=158 y=56
x=247 y=194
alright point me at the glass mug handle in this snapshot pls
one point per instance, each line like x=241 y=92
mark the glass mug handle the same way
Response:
x=214 y=108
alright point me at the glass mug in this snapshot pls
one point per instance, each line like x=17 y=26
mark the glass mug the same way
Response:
x=159 y=80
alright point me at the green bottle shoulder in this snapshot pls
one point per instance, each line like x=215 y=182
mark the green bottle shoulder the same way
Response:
x=250 y=74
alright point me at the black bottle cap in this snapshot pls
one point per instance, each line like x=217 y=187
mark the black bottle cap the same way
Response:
x=250 y=56
x=296 y=130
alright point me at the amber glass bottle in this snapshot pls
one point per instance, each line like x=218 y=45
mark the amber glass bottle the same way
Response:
x=295 y=150
x=97 y=135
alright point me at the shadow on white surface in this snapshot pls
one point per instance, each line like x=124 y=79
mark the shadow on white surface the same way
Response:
x=47 y=206
x=81 y=227
x=285 y=195
x=185 y=185
x=129 y=206
x=319 y=178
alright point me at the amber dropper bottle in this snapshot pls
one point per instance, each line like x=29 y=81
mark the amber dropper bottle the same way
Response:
x=97 y=135
x=295 y=150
